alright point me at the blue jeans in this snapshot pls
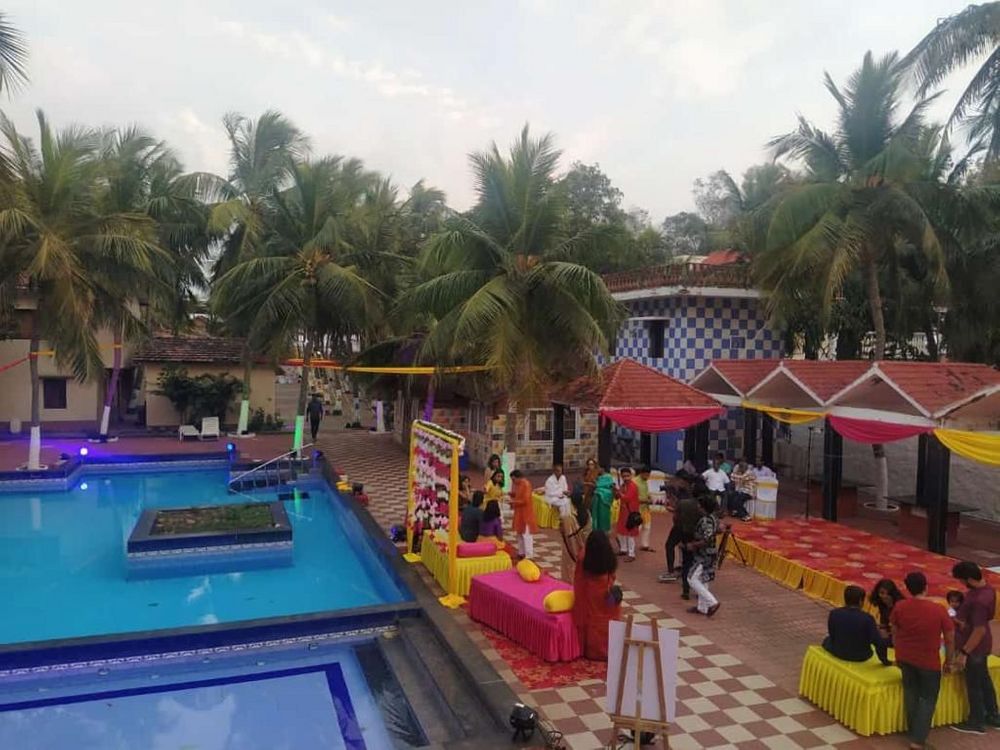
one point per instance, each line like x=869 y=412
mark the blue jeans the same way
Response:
x=979 y=686
x=920 y=694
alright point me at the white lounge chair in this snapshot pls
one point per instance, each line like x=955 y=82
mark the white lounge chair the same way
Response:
x=210 y=429
x=187 y=431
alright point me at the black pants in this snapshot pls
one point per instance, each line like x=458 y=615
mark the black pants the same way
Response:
x=314 y=427
x=673 y=539
x=920 y=694
x=737 y=502
x=979 y=686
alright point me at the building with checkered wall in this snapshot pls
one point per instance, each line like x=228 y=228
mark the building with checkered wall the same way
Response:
x=678 y=323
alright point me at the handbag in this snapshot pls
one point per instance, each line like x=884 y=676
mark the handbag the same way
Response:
x=634 y=520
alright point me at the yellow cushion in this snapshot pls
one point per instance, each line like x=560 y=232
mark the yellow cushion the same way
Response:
x=528 y=571
x=558 y=601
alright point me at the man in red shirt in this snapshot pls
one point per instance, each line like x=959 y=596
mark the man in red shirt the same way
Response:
x=918 y=625
x=974 y=642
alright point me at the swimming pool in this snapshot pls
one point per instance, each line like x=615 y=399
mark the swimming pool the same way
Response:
x=336 y=697
x=63 y=574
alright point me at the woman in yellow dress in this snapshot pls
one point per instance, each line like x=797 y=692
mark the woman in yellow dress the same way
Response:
x=494 y=486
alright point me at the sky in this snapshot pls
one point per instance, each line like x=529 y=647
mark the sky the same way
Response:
x=657 y=93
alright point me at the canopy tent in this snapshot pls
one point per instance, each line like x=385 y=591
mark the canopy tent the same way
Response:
x=634 y=396
x=950 y=406
x=730 y=380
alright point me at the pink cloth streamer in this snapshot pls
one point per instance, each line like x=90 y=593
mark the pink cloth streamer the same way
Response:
x=514 y=608
x=667 y=419
x=870 y=431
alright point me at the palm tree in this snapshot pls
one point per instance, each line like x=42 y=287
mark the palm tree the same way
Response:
x=954 y=42
x=131 y=160
x=297 y=285
x=498 y=289
x=13 y=55
x=866 y=195
x=261 y=154
x=52 y=237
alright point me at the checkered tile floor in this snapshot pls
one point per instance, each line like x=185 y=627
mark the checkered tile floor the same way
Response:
x=722 y=703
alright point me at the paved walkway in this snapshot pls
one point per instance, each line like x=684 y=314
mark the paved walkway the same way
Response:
x=738 y=673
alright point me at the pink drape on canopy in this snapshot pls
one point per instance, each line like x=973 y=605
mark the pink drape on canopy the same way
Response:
x=661 y=420
x=870 y=431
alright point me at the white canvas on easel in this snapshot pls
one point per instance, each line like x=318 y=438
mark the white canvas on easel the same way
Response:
x=669 y=646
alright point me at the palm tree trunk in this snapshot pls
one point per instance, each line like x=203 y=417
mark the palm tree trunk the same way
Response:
x=875 y=305
x=35 y=444
x=510 y=438
x=878 y=321
x=300 y=417
x=241 y=427
x=116 y=368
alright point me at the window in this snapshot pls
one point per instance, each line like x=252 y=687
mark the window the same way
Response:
x=540 y=425
x=53 y=393
x=656 y=339
x=479 y=418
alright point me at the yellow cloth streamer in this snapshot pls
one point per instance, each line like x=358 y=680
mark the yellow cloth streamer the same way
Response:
x=788 y=416
x=983 y=447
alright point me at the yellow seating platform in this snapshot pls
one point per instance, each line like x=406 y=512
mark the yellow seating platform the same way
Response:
x=868 y=697
x=436 y=561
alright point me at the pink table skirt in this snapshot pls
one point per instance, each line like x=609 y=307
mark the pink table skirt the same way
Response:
x=513 y=607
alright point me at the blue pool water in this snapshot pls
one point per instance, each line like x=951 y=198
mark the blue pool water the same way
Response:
x=62 y=561
x=305 y=704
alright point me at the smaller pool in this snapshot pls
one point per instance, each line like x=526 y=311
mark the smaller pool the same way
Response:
x=336 y=698
x=63 y=570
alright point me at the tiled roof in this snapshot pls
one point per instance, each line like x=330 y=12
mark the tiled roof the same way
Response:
x=744 y=374
x=826 y=378
x=937 y=385
x=628 y=384
x=180 y=349
x=724 y=258
x=731 y=276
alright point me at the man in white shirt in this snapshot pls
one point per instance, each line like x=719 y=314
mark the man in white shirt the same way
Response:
x=716 y=480
x=557 y=490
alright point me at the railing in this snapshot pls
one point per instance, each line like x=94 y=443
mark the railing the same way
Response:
x=732 y=276
x=280 y=469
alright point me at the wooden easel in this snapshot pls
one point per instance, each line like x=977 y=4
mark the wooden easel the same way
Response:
x=638 y=725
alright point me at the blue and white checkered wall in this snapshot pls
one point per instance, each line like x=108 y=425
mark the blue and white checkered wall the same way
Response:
x=697 y=330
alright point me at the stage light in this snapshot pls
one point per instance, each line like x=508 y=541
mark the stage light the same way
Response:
x=84 y=451
x=84 y=486
x=230 y=447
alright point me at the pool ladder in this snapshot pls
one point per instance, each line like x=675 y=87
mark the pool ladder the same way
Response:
x=276 y=472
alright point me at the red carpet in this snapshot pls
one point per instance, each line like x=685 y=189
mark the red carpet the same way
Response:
x=537 y=674
x=850 y=555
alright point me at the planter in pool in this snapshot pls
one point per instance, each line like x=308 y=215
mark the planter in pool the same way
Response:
x=209 y=539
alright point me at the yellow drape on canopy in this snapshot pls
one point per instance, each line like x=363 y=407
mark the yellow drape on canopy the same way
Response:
x=983 y=447
x=788 y=416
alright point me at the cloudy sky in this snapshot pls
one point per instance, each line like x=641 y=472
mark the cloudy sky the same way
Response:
x=658 y=93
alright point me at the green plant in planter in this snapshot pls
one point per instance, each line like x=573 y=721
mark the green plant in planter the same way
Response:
x=198 y=397
x=261 y=422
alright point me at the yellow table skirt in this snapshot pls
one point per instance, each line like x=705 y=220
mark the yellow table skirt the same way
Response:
x=546 y=516
x=774 y=566
x=436 y=562
x=868 y=697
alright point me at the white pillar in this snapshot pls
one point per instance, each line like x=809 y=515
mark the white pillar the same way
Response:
x=379 y=416
x=35 y=449
x=105 y=419
x=241 y=427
